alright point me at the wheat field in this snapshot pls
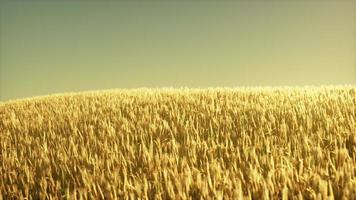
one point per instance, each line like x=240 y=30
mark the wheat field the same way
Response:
x=216 y=143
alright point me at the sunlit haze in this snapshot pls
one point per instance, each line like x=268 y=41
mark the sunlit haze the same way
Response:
x=51 y=47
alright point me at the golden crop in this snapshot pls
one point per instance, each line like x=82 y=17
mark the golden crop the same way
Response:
x=243 y=143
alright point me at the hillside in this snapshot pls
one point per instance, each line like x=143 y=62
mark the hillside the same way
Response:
x=223 y=143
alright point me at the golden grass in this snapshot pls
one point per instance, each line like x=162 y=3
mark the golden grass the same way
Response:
x=243 y=143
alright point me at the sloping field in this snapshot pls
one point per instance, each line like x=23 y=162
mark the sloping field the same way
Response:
x=243 y=143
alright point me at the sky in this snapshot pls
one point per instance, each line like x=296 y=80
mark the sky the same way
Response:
x=51 y=47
